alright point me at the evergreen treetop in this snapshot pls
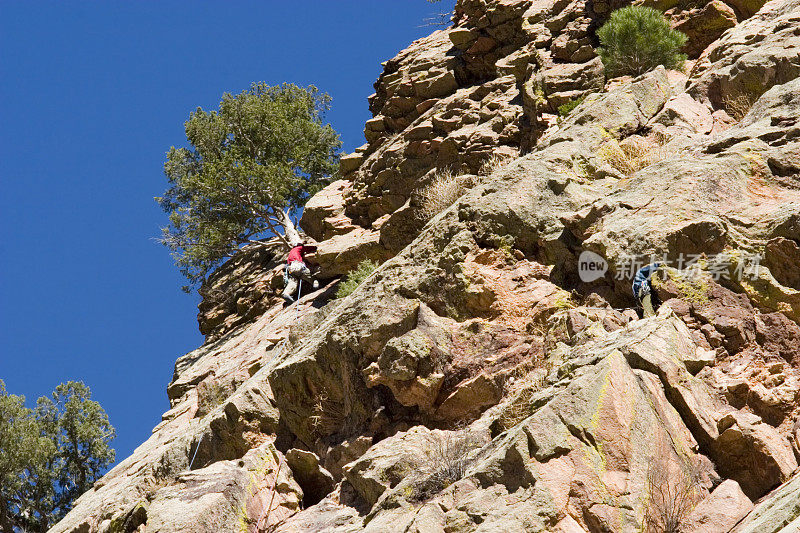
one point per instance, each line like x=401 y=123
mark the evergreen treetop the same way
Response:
x=637 y=39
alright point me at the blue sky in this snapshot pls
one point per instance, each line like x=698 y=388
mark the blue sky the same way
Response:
x=92 y=95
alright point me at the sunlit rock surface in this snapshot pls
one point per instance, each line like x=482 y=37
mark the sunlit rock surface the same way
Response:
x=473 y=382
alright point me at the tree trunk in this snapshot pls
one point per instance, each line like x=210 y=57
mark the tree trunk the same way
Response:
x=291 y=233
x=5 y=523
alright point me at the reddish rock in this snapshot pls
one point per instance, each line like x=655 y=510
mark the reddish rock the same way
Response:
x=703 y=26
x=731 y=314
x=719 y=511
x=779 y=335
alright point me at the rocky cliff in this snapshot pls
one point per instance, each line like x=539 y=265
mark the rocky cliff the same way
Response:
x=476 y=381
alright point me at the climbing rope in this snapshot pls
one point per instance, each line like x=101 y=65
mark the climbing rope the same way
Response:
x=297 y=300
x=195 y=452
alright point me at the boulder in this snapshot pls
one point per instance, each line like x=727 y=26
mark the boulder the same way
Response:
x=719 y=511
x=342 y=253
x=753 y=453
x=350 y=162
x=386 y=464
x=746 y=8
x=780 y=255
x=703 y=26
x=563 y=82
x=323 y=215
x=516 y=64
x=469 y=398
x=462 y=38
x=408 y=366
x=435 y=86
x=702 y=358
x=329 y=515
x=685 y=112
x=779 y=335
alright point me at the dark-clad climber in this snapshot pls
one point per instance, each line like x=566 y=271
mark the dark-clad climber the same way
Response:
x=643 y=289
x=296 y=269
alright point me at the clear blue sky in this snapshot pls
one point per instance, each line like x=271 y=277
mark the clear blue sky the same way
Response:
x=92 y=95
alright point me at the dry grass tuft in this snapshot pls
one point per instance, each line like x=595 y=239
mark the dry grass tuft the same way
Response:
x=522 y=386
x=153 y=485
x=521 y=407
x=635 y=153
x=493 y=164
x=328 y=415
x=443 y=460
x=739 y=104
x=445 y=188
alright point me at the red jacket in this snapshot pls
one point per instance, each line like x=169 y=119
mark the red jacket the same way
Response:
x=298 y=253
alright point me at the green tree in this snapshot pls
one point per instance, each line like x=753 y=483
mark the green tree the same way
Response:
x=637 y=39
x=49 y=455
x=262 y=154
x=21 y=445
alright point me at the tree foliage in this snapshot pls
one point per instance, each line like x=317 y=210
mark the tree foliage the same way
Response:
x=637 y=39
x=49 y=455
x=264 y=151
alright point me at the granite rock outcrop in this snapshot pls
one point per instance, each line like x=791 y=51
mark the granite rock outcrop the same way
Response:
x=475 y=381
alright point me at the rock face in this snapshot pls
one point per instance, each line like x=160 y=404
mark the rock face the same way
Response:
x=475 y=381
x=778 y=513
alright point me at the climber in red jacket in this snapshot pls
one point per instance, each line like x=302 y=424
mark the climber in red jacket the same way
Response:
x=296 y=270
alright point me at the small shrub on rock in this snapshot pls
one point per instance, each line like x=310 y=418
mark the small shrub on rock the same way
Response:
x=637 y=39
x=328 y=415
x=566 y=109
x=355 y=277
x=211 y=395
x=522 y=387
x=671 y=496
x=738 y=101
